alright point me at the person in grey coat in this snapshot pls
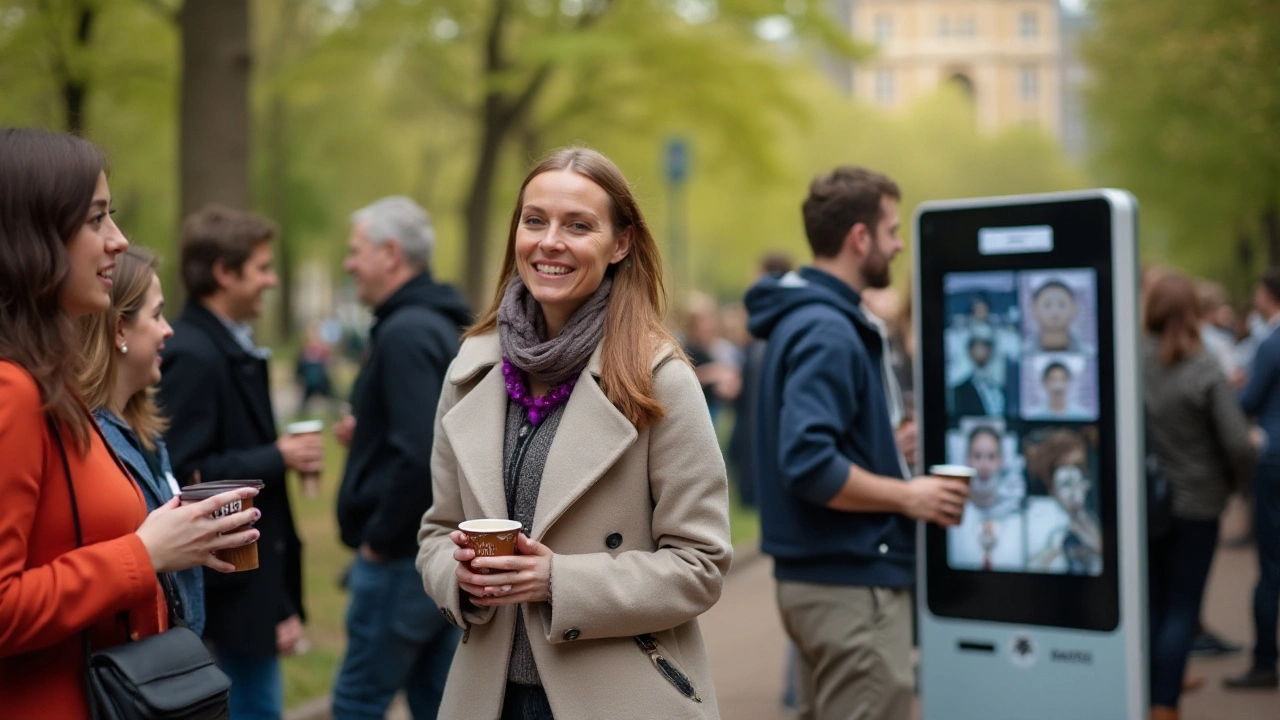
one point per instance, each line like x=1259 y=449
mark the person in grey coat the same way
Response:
x=121 y=365
x=1206 y=449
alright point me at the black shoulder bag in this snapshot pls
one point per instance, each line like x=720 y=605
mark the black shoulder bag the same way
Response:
x=169 y=676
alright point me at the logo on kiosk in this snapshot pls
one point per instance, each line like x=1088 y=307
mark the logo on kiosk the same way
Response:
x=1022 y=650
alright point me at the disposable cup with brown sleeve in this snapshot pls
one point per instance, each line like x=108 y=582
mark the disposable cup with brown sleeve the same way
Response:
x=244 y=557
x=310 y=480
x=963 y=473
x=491 y=537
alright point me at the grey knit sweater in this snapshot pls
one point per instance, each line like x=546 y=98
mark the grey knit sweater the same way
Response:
x=522 y=484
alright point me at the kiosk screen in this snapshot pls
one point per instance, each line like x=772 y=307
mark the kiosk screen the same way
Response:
x=1017 y=383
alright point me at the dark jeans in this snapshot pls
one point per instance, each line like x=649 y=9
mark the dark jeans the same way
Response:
x=1178 y=570
x=1266 y=533
x=396 y=639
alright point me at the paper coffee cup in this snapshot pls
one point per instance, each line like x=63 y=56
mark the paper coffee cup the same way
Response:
x=244 y=557
x=491 y=537
x=310 y=481
x=963 y=473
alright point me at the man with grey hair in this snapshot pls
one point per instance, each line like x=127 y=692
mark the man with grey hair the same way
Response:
x=396 y=638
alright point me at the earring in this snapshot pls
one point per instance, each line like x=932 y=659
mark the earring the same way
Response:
x=124 y=348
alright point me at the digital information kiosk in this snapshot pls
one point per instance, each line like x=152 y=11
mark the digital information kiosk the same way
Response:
x=1033 y=607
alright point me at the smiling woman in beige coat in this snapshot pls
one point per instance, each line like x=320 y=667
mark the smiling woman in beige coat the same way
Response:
x=571 y=410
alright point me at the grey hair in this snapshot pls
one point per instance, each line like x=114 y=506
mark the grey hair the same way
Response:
x=398 y=218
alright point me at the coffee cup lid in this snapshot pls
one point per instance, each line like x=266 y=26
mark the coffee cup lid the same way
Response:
x=489 y=526
x=953 y=471
x=203 y=491
x=304 y=426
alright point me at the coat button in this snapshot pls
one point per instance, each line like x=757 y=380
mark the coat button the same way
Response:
x=613 y=541
x=572 y=634
x=883 y=548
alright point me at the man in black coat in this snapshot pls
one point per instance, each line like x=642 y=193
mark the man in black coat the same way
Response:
x=215 y=392
x=396 y=637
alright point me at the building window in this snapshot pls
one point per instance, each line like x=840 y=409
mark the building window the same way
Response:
x=966 y=27
x=1029 y=83
x=944 y=26
x=1028 y=26
x=884 y=86
x=883 y=28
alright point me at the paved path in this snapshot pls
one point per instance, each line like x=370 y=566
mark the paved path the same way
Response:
x=746 y=641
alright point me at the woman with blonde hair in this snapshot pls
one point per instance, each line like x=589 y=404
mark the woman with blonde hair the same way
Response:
x=1201 y=439
x=79 y=553
x=120 y=367
x=571 y=410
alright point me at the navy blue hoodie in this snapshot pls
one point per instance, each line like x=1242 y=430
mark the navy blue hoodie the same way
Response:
x=822 y=408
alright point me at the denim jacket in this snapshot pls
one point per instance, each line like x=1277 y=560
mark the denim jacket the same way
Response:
x=122 y=438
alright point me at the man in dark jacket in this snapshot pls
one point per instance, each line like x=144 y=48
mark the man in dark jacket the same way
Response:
x=396 y=637
x=835 y=511
x=1261 y=400
x=215 y=392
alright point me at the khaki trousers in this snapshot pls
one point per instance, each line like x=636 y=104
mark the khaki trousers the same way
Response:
x=854 y=648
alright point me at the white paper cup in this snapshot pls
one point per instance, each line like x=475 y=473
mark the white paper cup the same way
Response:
x=310 y=481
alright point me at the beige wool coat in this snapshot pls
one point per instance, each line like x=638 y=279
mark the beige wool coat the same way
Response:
x=638 y=522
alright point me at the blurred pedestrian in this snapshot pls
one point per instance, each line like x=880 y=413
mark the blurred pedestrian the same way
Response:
x=215 y=386
x=59 y=481
x=838 y=507
x=120 y=369
x=1202 y=441
x=312 y=368
x=396 y=637
x=1261 y=399
x=715 y=359
x=571 y=410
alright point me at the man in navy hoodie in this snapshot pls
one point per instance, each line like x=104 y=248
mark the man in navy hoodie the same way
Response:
x=836 y=509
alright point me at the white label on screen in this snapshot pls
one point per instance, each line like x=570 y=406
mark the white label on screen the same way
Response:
x=1013 y=240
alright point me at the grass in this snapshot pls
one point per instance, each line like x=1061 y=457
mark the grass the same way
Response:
x=311 y=675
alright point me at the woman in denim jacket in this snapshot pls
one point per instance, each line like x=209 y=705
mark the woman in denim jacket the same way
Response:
x=121 y=365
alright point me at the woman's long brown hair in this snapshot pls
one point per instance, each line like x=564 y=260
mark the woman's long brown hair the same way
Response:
x=131 y=279
x=46 y=187
x=633 y=331
x=1173 y=315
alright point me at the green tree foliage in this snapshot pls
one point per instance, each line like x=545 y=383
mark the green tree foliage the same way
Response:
x=1186 y=96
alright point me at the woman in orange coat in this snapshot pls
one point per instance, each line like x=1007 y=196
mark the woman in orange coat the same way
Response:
x=57 y=248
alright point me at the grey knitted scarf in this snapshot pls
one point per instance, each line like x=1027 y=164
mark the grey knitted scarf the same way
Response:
x=522 y=330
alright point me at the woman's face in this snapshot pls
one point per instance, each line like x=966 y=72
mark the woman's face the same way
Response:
x=91 y=254
x=1071 y=485
x=144 y=335
x=1054 y=309
x=565 y=242
x=984 y=457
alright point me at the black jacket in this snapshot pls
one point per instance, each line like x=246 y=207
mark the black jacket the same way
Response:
x=218 y=402
x=387 y=484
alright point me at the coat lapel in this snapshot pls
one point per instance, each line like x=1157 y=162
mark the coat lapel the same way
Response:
x=252 y=381
x=591 y=437
x=472 y=426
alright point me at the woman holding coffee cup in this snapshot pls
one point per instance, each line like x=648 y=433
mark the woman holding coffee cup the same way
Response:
x=58 y=248
x=120 y=367
x=571 y=411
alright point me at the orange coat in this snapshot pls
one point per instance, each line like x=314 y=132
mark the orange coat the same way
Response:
x=49 y=590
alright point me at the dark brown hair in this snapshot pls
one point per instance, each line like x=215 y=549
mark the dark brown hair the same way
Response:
x=134 y=271
x=1270 y=281
x=218 y=234
x=841 y=199
x=1173 y=314
x=47 y=182
x=1049 y=454
x=633 y=330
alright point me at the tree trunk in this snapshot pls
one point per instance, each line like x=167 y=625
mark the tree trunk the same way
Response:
x=214 y=115
x=277 y=206
x=477 y=210
x=75 y=89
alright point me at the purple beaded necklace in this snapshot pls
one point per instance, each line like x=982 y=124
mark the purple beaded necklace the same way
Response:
x=538 y=408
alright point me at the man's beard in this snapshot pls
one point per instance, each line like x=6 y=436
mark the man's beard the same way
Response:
x=875 y=271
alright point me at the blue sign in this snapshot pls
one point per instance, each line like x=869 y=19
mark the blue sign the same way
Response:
x=677 y=160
